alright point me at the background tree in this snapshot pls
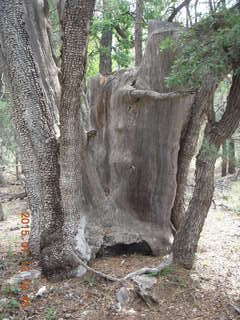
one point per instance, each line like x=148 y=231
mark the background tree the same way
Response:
x=105 y=60
x=1 y=213
x=138 y=41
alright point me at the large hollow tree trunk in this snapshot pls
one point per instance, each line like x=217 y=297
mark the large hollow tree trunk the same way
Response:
x=34 y=88
x=138 y=42
x=186 y=240
x=133 y=154
x=189 y=141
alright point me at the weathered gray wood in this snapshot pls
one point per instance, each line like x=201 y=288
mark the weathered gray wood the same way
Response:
x=130 y=181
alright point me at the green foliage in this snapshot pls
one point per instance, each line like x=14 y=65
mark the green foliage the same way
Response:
x=13 y=304
x=167 y=43
x=50 y=314
x=120 y=18
x=166 y=271
x=212 y=46
x=10 y=290
x=163 y=273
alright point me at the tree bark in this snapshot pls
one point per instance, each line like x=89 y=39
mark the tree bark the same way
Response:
x=105 y=63
x=231 y=157
x=75 y=24
x=138 y=32
x=186 y=240
x=1 y=213
x=224 y=158
x=189 y=141
x=33 y=84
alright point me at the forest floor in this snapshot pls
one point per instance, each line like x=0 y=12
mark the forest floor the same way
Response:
x=211 y=291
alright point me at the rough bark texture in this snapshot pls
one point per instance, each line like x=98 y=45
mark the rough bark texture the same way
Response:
x=130 y=173
x=231 y=157
x=186 y=240
x=189 y=141
x=60 y=253
x=33 y=84
x=224 y=158
x=1 y=213
x=105 y=62
x=138 y=42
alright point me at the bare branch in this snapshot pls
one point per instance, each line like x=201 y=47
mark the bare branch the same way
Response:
x=176 y=10
x=134 y=94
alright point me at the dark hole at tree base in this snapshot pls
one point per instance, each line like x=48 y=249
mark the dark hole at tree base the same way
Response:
x=141 y=248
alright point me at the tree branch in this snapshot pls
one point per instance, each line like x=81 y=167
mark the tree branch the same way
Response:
x=176 y=10
x=134 y=94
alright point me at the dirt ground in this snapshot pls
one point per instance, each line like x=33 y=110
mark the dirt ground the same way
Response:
x=210 y=291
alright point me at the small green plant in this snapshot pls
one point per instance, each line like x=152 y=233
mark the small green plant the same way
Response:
x=10 y=290
x=51 y=314
x=166 y=271
x=2 y=316
x=10 y=252
x=13 y=304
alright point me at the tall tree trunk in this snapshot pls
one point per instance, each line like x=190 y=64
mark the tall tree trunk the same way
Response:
x=231 y=157
x=1 y=213
x=224 y=158
x=186 y=240
x=33 y=84
x=105 y=62
x=189 y=141
x=75 y=27
x=138 y=32
x=1 y=81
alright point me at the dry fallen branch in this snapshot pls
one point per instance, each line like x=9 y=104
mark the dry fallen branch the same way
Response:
x=146 y=270
x=6 y=197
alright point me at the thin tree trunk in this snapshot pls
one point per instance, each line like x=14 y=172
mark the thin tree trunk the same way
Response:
x=138 y=32
x=1 y=213
x=231 y=157
x=105 y=63
x=188 y=146
x=186 y=240
x=224 y=159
